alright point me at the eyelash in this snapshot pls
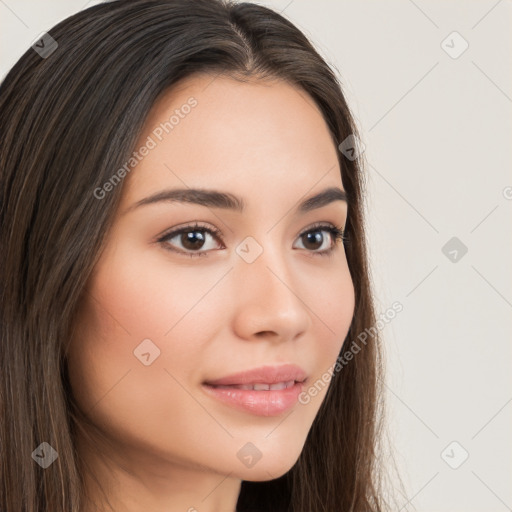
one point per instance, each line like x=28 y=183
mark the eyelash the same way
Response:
x=336 y=232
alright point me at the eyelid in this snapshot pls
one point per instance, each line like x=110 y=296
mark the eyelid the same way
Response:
x=336 y=232
x=192 y=226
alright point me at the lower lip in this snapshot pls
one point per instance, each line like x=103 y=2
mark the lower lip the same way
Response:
x=271 y=402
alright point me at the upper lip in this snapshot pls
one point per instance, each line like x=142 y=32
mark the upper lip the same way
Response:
x=262 y=375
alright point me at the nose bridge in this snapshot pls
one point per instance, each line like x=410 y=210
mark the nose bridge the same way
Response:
x=267 y=292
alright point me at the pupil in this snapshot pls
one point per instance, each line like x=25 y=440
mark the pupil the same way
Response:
x=190 y=240
x=314 y=237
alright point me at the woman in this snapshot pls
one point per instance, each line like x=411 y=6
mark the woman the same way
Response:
x=136 y=136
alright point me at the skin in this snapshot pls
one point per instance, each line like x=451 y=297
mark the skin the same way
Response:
x=170 y=446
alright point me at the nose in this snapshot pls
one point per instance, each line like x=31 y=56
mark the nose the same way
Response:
x=268 y=300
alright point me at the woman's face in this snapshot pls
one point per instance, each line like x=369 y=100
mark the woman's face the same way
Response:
x=163 y=316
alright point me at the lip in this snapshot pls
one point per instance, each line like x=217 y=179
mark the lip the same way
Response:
x=272 y=402
x=263 y=374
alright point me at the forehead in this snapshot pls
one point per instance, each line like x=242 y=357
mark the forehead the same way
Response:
x=217 y=132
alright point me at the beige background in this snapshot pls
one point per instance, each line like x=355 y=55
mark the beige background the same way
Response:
x=437 y=131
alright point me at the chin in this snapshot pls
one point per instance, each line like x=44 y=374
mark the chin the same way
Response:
x=264 y=475
x=269 y=470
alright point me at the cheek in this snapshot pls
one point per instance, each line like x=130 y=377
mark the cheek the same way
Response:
x=131 y=299
x=329 y=296
x=150 y=294
x=332 y=309
x=181 y=308
x=137 y=295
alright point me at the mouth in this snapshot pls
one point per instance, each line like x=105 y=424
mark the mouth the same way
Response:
x=258 y=386
x=264 y=391
x=263 y=376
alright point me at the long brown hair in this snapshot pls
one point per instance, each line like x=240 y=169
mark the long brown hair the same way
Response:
x=67 y=120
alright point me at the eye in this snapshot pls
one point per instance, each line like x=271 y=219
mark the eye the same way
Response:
x=192 y=238
x=315 y=240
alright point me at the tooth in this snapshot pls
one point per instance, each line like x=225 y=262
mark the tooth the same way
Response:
x=261 y=387
x=278 y=385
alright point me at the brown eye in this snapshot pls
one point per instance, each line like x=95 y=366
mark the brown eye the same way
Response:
x=196 y=240
x=314 y=240
x=191 y=240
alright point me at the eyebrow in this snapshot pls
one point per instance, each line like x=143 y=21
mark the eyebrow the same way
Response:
x=228 y=201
